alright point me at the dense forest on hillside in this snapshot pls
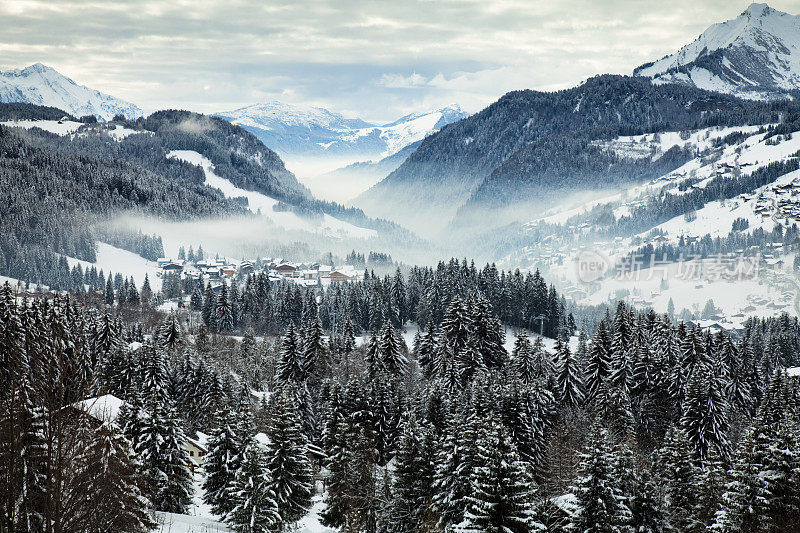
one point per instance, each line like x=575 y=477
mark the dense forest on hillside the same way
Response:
x=642 y=425
x=529 y=144
x=423 y=296
x=65 y=194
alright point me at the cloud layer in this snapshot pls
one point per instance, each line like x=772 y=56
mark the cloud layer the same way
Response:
x=375 y=59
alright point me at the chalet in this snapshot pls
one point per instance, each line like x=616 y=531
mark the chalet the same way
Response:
x=246 y=268
x=286 y=269
x=173 y=267
x=342 y=275
x=227 y=270
x=197 y=453
x=309 y=274
x=105 y=410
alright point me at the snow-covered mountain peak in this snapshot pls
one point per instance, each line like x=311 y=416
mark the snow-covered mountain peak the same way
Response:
x=755 y=55
x=449 y=113
x=300 y=132
x=275 y=115
x=757 y=10
x=42 y=85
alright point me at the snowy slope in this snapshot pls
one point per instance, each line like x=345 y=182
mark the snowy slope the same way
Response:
x=329 y=226
x=769 y=284
x=303 y=131
x=118 y=261
x=58 y=127
x=753 y=55
x=41 y=85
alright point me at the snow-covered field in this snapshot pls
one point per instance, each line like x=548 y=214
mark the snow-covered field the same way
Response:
x=182 y=523
x=330 y=226
x=654 y=145
x=53 y=126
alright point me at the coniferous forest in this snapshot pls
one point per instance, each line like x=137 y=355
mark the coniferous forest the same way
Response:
x=624 y=422
x=230 y=310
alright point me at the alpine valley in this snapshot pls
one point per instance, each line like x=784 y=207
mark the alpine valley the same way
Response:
x=560 y=310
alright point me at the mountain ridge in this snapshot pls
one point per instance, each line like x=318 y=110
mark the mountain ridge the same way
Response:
x=43 y=85
x=756 y=55
x=317 y=133
x=504 y=155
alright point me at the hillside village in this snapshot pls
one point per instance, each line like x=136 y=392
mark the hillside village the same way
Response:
x=747 y=239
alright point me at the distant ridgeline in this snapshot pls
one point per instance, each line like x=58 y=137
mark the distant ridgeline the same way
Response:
x=23 y=111
x=58 y=187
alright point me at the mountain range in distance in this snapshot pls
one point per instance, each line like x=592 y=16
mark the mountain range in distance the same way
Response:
x=514 y=156
x=42 y=85
x=314 y=140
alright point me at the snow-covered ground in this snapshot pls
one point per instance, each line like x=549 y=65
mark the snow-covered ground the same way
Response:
x=735 y=299
x=772 y=290
x=182 y=523
x=311 y=523
x=17 y=284
x=329 y=226
x=116 y=260
x=654 y=145
x=121 y=132
x=53 y=126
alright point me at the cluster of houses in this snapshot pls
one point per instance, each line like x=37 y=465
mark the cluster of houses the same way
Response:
x=217 y=270
x=781 y=201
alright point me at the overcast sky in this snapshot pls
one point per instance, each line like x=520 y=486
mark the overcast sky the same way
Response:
x=377 y=60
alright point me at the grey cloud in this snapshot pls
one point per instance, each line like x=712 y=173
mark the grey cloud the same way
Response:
x=377 y=59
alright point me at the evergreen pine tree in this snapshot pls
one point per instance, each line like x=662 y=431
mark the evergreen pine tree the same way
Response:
x=412 y=487
x=221 y=464
x=599 y=506
x=393 y=361
x=286 y=458
x=569 y=377
x=254 y=507
x=290 y=367
x=503 y=496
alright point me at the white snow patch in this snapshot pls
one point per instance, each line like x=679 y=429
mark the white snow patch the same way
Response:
x=53 y=126
x=116 y=260
x=183 y=523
